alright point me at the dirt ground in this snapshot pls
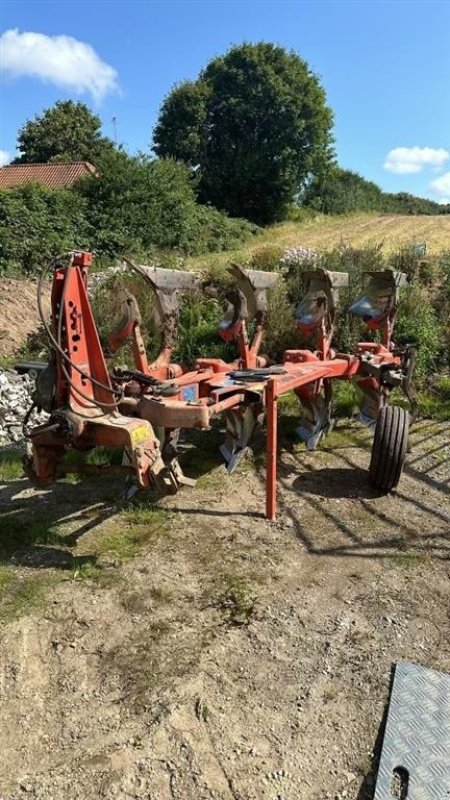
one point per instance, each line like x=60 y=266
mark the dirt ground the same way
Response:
x=19 y=316
x=233 y=658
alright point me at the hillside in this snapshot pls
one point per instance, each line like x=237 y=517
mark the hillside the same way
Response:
x=361 y=229
x=325 y=232
x=320 y=232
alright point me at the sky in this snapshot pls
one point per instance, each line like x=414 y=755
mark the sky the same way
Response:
x=385 y=67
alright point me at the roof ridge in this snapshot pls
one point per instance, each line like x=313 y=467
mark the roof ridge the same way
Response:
x=48 y=164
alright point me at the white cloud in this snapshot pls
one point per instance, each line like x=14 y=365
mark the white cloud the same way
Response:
x=441 y=187
x=406 y=160
x=5 y=158
x=62 y=60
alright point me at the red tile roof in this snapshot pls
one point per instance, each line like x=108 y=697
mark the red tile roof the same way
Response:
x=57 y=175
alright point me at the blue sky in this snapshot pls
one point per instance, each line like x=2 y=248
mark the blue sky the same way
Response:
x=385 y=67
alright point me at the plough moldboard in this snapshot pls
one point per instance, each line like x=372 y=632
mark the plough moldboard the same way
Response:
x=141 y=410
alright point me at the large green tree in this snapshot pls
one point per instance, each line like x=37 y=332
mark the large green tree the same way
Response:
x=68 y=131
x=255 y=125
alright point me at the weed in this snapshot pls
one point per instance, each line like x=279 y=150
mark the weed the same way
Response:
x=6 y=577
x=408 y=560
x=434 y=399
x=160 y=595
x=87 y=570
x=347 y=399
x=238 y=602
x=127 y=534
x=331 y=692
x=201 y=459
x=154 y=657
x=202 y=712
x=140 y=601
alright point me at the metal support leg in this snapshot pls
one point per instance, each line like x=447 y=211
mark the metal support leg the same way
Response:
x=272 y=423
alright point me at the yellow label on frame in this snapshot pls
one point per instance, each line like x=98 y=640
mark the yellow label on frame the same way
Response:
x=140 y=434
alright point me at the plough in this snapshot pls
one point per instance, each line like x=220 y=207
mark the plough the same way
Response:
x=142 y=409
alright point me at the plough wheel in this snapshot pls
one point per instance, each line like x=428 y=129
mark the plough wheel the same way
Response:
x=389 y=447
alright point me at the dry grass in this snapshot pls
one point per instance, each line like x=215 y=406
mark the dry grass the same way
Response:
x=324 y=233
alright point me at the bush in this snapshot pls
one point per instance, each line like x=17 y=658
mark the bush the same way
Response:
x=418 y=323
x=199 y=322
x=268 y=258
x=139 y=205
x=136 y=207
x=211 y=231
x=37 y=223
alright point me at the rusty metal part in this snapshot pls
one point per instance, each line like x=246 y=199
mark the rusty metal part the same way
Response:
x=246 y=302
x=144 y=383
x=316 y=313
x=257 y=374
x=84 y=404
x=166 y=285
x=381 y=370
x=169 y=451
x=378 y=304
x=316 y=420
x=254 y=285
x=126 y=327
x=44 y=393
x=240 y=428
x=169 y=413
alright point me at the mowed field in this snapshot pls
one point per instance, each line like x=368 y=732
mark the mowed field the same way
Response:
x=356 y=230
x=391 y=230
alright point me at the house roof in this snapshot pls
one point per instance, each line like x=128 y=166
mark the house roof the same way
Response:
x=56 y=175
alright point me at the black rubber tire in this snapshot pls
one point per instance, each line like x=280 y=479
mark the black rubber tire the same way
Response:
x=389 y=448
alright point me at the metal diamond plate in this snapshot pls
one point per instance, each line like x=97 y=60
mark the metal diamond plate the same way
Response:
x=417 y=737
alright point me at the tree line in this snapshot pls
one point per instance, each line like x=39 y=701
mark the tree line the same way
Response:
x=241 y=147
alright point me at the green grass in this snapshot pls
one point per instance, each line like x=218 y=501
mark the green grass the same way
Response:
x=6 y=576
x=7 y=362
x=407 y=560
x=10 y=465
x=19 y=533
x=141 y=514
x=346 y=398
x=127 y=534
x=346 y=437
x=118 y=545
x=21 y=595
x=36 y=529
x=434 y=400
